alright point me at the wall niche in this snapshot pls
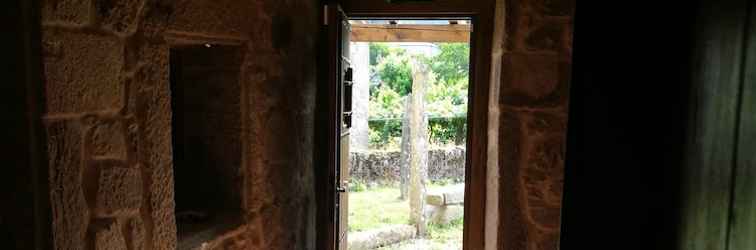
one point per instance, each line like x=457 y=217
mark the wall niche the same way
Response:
x=206 y=103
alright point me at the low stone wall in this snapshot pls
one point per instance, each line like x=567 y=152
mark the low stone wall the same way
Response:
x=382 y=167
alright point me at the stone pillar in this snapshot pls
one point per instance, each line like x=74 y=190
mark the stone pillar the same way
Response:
x=405 y=151
x=418 y=160
x=360 y=56
x=404 y=159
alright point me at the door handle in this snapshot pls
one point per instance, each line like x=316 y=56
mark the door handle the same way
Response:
x=342 y=189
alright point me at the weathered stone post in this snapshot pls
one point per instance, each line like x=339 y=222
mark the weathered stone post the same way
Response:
x=404 y=159
x=418 y=157
x=405 y=151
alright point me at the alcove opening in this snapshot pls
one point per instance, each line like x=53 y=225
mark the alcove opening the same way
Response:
x=206 y=123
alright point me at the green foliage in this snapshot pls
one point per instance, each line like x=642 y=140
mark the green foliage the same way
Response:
x=446 y=93
x=447 y=100
x=378 y=51
x=395 y=72
x=447 y=130
x=356 y=186
x=386 y=103
x=385 y=133
x=453 y=63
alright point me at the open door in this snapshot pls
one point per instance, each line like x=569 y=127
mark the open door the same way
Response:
x=340 y=112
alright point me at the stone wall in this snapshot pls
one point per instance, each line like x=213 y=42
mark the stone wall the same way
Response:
x=382 y=167
x=108 y=118
x=535 y=73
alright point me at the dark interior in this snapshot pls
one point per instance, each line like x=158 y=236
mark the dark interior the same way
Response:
x=649 y=163
x=206 y=139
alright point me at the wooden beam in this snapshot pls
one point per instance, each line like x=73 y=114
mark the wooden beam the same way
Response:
x=458 y=33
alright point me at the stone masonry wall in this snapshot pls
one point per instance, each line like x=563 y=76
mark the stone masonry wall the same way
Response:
x=535 y=74
x=108 y=118
x=382 y=167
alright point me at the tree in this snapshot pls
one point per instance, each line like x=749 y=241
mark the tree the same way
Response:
x=453 y=63
x=446 y=94
x=378 y=51
x=395 y=72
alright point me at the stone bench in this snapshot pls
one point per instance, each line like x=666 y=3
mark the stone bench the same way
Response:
x=446 y=204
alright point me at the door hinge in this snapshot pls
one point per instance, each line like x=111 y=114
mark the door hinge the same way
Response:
x=325 y=15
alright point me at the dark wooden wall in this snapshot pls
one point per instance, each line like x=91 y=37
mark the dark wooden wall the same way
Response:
x=24 y=209
x=717 y=140
x=743 y=217
x=662 y=128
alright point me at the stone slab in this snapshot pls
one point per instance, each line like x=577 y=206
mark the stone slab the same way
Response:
x=380 y=237
x=443 y=215
x=451 y=195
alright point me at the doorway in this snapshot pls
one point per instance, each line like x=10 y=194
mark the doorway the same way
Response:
x=342 y=74
x=406 y=159
x=207 y=141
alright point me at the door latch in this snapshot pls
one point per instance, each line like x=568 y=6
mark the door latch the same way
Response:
x=342 y=189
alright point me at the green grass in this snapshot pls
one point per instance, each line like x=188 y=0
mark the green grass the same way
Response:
x=447 y=234
x=378 y=207
x=375 y=208
x=447 y=237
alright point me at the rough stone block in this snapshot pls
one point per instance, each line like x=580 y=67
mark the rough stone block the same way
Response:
x=153 y=112
x=108 y=236
x=132 y=140
x=70 y=212
x=543 y=178
x=76 y=12
x=157 y=16
x=545 y=123
x=86 y=76
x=534 y=80
x=380 y=237
x=51 y=49
x=550 y=36
x=450 y=195
x=555 y=7
x=443 y=215
x=108 y=139
x=136 y=233
x=227 y=17
x=455 y=197
x=119 y=16
x=119 y=192
x=434 y=199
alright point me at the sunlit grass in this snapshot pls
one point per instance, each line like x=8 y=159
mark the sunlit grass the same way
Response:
x=447 y=237
x=375 y=208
